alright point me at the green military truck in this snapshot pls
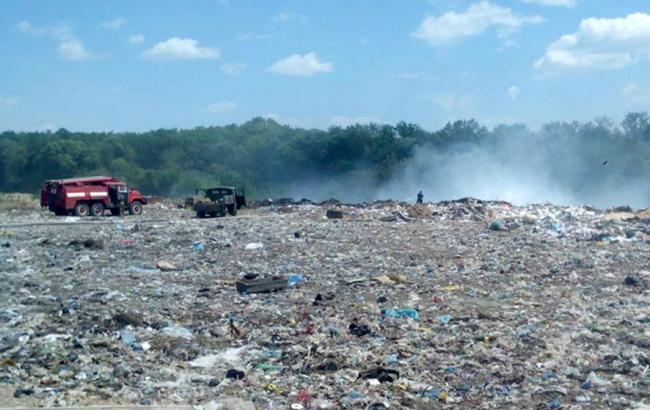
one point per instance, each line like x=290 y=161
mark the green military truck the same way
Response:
x=218 y=201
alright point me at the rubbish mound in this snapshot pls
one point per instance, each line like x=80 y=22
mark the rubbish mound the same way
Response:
x=461 y=304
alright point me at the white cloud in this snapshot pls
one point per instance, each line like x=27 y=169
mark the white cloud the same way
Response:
x=136 y=39
x=453 y=103
x=479 y=17
x=7 y=102
x=636 y=96
x=600 y=44
x=558 y=3
x=70 y=47
x=415 y=75
x=26 y=27
x=301 y=65
x=180 y=48
x=513 y=92
x=221 y=107
x=284 y=17
x=250 y=36
x=74 y=50
x=115 y=24
x=233 y=68
x=343 y=121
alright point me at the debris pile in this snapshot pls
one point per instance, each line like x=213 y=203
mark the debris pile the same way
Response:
x=461 y=304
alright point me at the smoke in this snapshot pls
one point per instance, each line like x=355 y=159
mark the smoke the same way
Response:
x=475 y=172
x=520 y=177
x=598 y=169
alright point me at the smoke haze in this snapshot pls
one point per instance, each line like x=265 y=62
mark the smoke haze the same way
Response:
x=599 y=167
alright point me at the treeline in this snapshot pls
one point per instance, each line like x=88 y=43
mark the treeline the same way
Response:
x=266 y=158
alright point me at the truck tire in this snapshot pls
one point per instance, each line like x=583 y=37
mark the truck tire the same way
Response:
x=232 y=209
x=135 y=208
x=97 y=209
x=200 y=214
x=212 y=214
x=82 y=209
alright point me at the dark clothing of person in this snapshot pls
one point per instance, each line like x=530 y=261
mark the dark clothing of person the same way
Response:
x=420 y=197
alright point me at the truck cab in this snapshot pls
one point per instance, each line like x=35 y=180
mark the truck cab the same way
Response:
x=218 y=201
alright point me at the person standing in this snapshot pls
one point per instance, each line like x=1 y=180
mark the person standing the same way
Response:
x=420 y=197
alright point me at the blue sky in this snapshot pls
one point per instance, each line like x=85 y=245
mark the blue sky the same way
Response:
x=140 y=65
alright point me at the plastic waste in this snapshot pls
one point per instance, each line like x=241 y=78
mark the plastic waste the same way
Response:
x=554 y=404
x=498 y=225
x=230 y=356
x=127 y=337
x=402 y=313
x=254 y=246
x=444 y=319
x=382 y=374
x=178 y=331
x=235 y=374
x=293 y=280
x=269 y=367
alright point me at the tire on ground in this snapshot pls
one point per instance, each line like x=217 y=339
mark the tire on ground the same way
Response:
x=232 y=209
x=135 y=208
x=97 y=209
x=81 y=209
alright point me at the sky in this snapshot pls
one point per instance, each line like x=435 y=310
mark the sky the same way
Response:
x=136 y=65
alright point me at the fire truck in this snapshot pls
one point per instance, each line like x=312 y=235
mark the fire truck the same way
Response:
x=90 y=196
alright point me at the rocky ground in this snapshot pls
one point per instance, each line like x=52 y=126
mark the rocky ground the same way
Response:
x=464 y=304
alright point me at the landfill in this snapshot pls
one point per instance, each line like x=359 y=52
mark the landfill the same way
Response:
x=383 y=305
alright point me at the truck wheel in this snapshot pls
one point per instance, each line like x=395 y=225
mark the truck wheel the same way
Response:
x=212 y=214
x=135 y=208
x=232 y=209
x=97 y=209
x=200 y=214
x=81 y=209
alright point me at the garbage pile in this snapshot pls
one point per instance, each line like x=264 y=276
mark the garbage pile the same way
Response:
x=459 y=304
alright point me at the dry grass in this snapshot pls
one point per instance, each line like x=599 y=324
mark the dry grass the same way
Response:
x=17 y=201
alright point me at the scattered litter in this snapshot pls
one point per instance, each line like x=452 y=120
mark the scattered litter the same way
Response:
x=380 y=373
x=165 y=266
x=431 y=310
x=253 y=246
x=263 y=285
x=401 y=313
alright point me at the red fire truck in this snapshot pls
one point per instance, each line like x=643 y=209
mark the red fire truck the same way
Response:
x=90 y=196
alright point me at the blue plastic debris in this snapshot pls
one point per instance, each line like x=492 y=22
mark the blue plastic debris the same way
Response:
x=400 y=313
x=294 y=279
x=554 y=404
x=128 y=337
x=444 y=319
x=432 y=394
